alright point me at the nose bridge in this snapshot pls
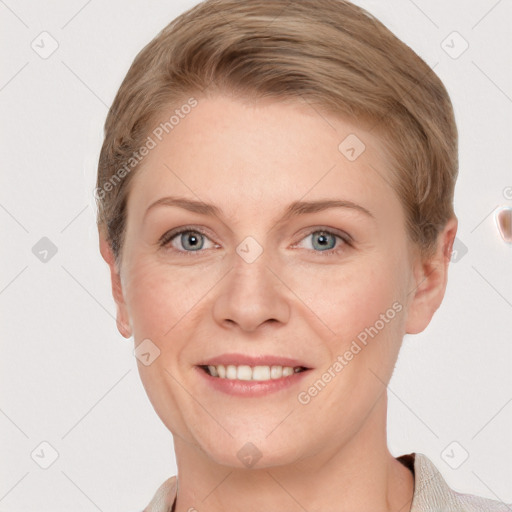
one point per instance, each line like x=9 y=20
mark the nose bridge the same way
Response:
x=251 y=294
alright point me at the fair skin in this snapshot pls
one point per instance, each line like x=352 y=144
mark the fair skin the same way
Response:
x=252 y=160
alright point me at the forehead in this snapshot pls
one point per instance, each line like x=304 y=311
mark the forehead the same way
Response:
x=232 y=153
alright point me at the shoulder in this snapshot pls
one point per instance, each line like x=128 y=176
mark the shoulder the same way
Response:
x=432 y=493
x=164 y=497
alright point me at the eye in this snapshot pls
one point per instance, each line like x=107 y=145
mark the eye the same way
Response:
x=186 y=240
x=189 y=240
x=325 y=242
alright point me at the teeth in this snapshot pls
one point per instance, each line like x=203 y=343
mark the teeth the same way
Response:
x=276 y=372
x=245 y=372
x=231 y=372
x=287 y=370
x=261 y=373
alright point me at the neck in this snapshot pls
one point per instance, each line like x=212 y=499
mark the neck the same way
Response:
x=360 y=474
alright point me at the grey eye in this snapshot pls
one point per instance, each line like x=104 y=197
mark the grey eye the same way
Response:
x=191 y=240
x=323 y=240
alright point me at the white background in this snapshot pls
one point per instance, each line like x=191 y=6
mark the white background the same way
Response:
x=67 y=375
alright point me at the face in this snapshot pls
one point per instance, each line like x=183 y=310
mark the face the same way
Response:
x=300 y=260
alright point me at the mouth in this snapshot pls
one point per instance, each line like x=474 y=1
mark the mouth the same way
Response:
x=258 y=373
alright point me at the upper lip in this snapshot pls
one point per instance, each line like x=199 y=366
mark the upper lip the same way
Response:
x=261 y=360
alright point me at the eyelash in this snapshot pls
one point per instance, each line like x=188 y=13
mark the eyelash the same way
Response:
x=170 y=235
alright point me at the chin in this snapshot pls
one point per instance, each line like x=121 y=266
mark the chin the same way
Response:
x=250 y=452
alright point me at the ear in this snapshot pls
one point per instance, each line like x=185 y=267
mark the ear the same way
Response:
x=122 y=317
x=430 y=279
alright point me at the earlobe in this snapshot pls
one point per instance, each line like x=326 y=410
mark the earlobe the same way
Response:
x=430 y=281
x=122 y=317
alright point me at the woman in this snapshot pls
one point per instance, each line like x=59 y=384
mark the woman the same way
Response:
x=275 y=195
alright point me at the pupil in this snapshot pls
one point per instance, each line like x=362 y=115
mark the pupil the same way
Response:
x=191 y=240
x=322 y=239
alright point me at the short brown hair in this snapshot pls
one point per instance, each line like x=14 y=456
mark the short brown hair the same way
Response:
x=331 y=53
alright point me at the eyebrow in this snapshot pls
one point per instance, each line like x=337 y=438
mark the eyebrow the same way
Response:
x=294 y=209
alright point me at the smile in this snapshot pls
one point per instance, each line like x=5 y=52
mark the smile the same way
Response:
x=246 y=372
x=251 y=381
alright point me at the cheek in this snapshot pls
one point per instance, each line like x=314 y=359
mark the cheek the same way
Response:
x=347 y=298
x=163 y=298
x=361 y=304
x=149 y=300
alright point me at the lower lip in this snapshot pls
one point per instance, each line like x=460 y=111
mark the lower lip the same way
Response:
x=252 y=388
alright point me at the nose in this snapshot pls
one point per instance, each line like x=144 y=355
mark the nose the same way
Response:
x=251 y=295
